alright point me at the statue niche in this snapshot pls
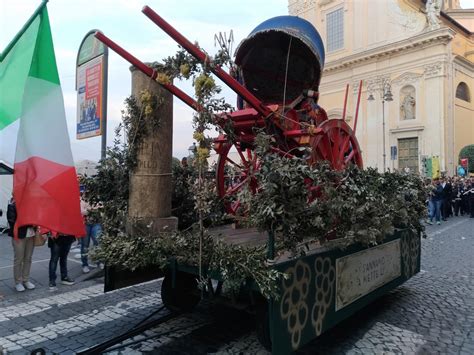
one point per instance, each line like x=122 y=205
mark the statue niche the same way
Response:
x=407 y=103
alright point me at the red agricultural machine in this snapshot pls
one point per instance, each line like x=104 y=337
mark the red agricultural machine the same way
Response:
x=279 y=68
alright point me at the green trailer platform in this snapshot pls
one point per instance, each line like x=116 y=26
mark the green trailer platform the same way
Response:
x=323 y=287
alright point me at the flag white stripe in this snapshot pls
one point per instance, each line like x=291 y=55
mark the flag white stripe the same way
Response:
x=43 y=128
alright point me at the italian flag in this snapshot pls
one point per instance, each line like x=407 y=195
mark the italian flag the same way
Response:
x=45 y=183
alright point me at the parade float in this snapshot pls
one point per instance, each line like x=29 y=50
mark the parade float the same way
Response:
x=314 y=237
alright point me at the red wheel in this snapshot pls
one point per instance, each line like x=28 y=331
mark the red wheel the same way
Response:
x=235 y=168
x=336 y=144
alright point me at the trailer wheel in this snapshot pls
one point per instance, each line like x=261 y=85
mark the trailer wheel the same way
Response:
x=263 y=326
x=184 y=296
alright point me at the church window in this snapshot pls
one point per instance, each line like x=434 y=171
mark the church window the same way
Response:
x=335 y=30
x=462 y=92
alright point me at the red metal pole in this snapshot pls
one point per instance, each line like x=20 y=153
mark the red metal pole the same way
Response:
x=152 y=73
x=201 y=56
x=357 y=108
x=345 y=103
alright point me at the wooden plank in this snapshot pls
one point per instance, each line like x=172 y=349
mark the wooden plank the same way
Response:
x=239 y=236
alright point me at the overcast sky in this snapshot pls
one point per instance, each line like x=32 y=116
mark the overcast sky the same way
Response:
x=123 y=21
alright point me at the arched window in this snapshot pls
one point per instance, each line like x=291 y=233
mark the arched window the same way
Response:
x=462 y=92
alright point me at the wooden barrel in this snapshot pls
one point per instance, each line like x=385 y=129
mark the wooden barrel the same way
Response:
x=282 y=50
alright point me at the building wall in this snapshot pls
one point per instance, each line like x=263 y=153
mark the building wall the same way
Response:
x=391 y=39
x=464 y=111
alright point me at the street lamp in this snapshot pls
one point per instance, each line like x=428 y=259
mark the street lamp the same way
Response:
x=192 y=149
x=383 y=87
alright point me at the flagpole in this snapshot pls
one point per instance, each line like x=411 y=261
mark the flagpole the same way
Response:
x=23 y=30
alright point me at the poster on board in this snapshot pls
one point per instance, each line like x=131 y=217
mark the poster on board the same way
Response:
x=89 y=98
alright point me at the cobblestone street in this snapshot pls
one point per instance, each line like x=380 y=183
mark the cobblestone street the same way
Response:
x=430 y=314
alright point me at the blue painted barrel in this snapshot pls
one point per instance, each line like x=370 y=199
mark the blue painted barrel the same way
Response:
x=282 y=49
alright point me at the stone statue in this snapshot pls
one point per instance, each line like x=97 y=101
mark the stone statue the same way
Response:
x=433 y=8
x=408 y=107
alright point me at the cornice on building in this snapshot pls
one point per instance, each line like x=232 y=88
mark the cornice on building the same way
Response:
x=407 y=129
x=456 y=23
x=464 y=63
x=439 y=36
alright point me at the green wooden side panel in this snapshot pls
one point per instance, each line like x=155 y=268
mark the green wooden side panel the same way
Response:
x=308 y=305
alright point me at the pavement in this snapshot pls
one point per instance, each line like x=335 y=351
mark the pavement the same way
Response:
x=432 y=313
x=39 y=268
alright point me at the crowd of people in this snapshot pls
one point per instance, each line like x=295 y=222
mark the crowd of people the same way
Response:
x=450 y=196
x=60 y=245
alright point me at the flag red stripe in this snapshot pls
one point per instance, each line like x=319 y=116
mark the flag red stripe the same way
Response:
x=43 y=191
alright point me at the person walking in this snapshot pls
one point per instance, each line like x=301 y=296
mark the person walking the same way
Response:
x=458 y=191
x=446 y=204
x=470 y=193
x=23 y=246
x=465 y=198
x=436 y=200
x=93 y=232
x=60 y=246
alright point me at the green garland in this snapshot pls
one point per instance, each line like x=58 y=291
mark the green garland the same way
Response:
x=350 y=206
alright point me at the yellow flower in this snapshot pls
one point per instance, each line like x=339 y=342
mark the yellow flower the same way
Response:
x=163 y=79
x=198 y=136
x=148 y=110
x=145 y=96
x=184 y=69
x=202 y=155
x=204 y=84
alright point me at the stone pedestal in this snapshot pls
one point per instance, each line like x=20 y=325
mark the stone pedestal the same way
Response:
x=151 y=181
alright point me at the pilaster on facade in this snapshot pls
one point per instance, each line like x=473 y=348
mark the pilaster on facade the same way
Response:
x=434 y=70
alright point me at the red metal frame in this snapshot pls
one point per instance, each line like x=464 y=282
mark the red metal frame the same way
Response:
x=345 y=103
x=203 y=57
x=145 y=69
x=331 y=140
x=357 y=108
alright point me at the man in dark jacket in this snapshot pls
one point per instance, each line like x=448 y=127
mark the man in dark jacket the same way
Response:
x=23 y=247
x=437 y=200
x=470 y=194
x=446 y=210
x=458 y=191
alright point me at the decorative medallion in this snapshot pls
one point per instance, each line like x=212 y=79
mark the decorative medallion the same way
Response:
x=293 y=306
x=325 y=276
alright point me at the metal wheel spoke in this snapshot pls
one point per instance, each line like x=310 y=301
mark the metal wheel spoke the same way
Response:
x=336 y=148
x=232 y=189
x=345 y=146
x=242 y=157
x=234 y=206
x=234 y=163
x=349 y=157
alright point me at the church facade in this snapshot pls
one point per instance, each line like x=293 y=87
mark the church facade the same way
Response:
x=416 y=60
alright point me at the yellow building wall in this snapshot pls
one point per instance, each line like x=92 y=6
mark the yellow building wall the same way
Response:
x=463 y=115
x=463 y=46
x=464 y=118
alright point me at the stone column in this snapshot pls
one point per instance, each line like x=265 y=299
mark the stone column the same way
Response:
x=151 y=181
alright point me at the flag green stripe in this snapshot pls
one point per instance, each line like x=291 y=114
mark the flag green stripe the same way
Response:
x=30 y=54
x=14 y=70
x=23 y=29
x=43 y=65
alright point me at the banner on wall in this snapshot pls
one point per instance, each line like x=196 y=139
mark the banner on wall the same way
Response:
x=436 y=173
